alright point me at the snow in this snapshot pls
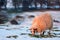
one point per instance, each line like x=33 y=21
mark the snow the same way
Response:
x=9 y=4
x=22 y=30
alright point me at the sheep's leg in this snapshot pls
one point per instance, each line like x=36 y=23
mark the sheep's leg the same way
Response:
x=50 y=29
x=42 y=34
x=33 y=32
x=49 y=33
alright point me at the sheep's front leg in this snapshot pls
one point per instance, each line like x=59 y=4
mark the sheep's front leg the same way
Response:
x=33 y=32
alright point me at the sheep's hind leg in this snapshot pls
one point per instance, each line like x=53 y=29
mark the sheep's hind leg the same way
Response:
x=42 y=34
x=49 y=33
x=50 y=30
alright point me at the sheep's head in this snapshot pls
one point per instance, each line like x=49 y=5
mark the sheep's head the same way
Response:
x=33 y=30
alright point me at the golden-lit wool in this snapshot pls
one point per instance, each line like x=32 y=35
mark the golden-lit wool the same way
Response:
x=41 y=23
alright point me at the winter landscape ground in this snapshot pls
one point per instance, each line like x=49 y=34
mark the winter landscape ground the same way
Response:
x=22 y=32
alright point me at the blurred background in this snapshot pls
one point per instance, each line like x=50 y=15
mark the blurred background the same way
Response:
x=21 y=5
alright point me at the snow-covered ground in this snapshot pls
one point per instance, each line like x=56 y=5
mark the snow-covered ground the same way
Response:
x=22 y=32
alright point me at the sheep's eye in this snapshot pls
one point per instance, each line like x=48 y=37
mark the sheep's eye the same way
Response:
x=35 y=29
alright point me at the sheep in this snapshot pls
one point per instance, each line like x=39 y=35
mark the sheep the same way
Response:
x=42 y=23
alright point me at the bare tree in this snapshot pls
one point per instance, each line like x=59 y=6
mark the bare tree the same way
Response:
x=59 y=3
x=25 y=5
x=30 y=2
x=16 y=3
x=41 y=2
x=52 y=2
x=3 y=3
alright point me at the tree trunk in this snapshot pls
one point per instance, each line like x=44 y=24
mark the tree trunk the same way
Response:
x=5 y=4
x=35 y=4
